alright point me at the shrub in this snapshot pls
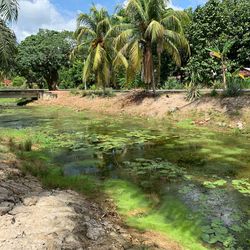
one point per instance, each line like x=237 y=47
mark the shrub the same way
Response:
x=94 y=93
x=19 y=81
x=172 y=83
x=193 y=92
x=234 y=87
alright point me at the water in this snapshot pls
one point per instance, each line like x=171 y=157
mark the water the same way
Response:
x=205 y=171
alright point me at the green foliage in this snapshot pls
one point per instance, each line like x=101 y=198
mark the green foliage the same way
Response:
x=160 y=30
x=7 y=46
x=143 y=212
x=148 y=172
x=92 y=36
x=214 y=184
x=19 y=81
x=234 y=87
x=95 y=93
x=71 y=77
x=173 y=83
x=242 y=185
x=215 y=23
x=53 y=177
x=41 y=56
x=217 y=233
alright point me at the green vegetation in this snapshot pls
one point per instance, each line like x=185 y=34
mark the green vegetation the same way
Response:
x=175 y=181
x=242 y=185
x=170 y=218
x=112 y=51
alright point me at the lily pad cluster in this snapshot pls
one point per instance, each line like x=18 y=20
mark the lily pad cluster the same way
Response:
x=148 y=171
x=113 y=142
x=242 y=185
x=214 y=184
x=216 y=233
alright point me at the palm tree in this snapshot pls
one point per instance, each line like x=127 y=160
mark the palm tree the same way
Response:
x=92 y=36
x=7 y=45
x=149 y=25
x=8 y=10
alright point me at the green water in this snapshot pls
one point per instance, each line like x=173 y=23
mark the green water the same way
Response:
x=190 y=183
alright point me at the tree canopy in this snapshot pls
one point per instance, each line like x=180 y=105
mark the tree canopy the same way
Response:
x=41 y=56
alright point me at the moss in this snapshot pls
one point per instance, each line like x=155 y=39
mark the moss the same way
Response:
x=170 y=218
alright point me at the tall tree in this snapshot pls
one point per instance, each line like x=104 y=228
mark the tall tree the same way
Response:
x=41 y=56
x=213 y=25
x=7 y=46
x=148 y=25
x=8 y=12
x=91 y=34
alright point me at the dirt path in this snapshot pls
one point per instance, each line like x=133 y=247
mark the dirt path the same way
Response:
x=34 y=218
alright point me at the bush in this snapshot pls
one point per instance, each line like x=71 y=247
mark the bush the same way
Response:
x=234 y=87
x=172 y=83
x=193 y=92
x=19 y=81
x=95 y=93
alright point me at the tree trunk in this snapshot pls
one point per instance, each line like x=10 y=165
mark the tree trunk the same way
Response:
x=148 y=69
x=159 y=70
x=224 y=69
x=52 y=80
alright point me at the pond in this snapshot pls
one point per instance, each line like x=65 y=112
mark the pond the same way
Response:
x=189 y=183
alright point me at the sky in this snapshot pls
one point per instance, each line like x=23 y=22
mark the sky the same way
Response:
x=61 y=14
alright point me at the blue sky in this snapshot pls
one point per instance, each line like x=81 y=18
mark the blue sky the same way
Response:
x=61 y=14
x=84 y=5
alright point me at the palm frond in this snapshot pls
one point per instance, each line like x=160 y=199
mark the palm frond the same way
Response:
x=172 y=50
x=9 y=10
x=155 y=31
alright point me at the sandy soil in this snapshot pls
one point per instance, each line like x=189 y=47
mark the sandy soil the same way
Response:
x=231 y=112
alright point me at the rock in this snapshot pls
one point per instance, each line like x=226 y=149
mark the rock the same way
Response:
x=31 y=201
x=240 y=125
x=94 y=233
x=5 y=207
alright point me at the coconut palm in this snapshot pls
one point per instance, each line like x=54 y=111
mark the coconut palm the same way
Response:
x=91 y=34
x=7 y=44
x=149 y=25
x=8 y=10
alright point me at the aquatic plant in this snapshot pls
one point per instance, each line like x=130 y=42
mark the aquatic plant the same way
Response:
x=217 y=233
x=242 y=185
x=214 y=184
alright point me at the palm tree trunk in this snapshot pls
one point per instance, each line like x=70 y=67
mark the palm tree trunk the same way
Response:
x=159 y=70
x=148 y=69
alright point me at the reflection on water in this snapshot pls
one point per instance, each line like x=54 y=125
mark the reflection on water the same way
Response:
x=157 y=157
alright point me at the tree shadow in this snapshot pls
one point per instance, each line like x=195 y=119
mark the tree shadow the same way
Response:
x=138 y=96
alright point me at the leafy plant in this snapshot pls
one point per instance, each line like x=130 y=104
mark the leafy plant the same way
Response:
x=234 y=87
x=214 y=184
x=193 y=92
x=217 y=233
x=19 y=81
x=242 y=185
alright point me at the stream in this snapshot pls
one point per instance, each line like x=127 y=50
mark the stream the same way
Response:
x=192 y=183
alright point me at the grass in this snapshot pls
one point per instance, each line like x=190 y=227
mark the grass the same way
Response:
x=8 y=101
x=53 y=177
x=170 y=218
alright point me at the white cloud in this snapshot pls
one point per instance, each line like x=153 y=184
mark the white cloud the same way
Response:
x=36 y=14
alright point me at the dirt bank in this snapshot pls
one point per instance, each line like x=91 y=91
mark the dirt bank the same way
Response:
x=223 y=112
x=32 y=217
